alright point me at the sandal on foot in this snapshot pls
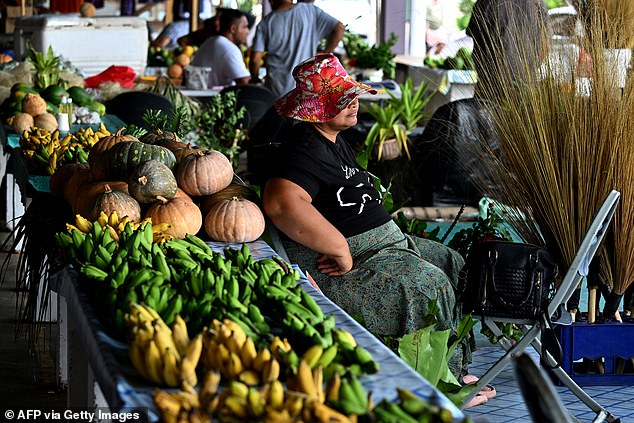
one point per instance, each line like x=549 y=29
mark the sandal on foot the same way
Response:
x=477 y=400
x=488 y=390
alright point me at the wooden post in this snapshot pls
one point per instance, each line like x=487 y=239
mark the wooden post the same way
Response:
x=592 y=304
x=193 y=16
x=169 y=12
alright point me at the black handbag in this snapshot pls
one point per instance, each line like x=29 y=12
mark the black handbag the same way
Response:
x=507 y=279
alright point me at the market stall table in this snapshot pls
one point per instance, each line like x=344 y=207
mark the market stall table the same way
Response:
x=98 y=360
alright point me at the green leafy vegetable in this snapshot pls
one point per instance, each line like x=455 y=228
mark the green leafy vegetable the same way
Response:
x=428 y=351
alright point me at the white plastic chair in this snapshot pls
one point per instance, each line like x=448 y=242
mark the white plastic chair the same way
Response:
x=531 y=329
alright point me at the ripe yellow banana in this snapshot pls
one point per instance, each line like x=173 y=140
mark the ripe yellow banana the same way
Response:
x=194 y=349
x=248 y=353
x=113 y=219
x=210 y=355
x=304 y=380
x=209 y=388
x=238 y=333
x=233 y=366
x=163 y=338
x=171 y=368
x=256 y=402
x=102 y=219
x=236 y=406
x=332 y=387
x=271 y=371
x=238 y=389
x=137 y=358
x=188 y=371
x=83 y=224
x=262 y=357
x=153 y=362
x=275 y=397
x=249 y=377
x=180 y=334
x=323 y=413
x=294 y=404
x=168 y=405
x=278 y=416
x=318 y=382
x=312 y=355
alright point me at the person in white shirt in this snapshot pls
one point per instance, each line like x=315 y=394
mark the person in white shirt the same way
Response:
x=222 y=52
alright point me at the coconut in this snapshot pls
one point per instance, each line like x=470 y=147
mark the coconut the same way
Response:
x=45 y=121
x=33 y=104
x=22 y=122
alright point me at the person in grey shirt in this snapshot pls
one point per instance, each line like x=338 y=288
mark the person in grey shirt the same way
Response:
x=288 y=35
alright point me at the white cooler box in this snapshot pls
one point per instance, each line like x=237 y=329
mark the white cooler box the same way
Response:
x=90 y=44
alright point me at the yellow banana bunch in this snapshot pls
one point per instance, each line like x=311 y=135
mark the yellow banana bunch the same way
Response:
x=160 y=354
x=179 y=406
x=227 y=348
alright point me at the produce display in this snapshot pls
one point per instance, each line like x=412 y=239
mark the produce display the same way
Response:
x=220 y=336
x=45 y=152
x=158 y=177
x=462 y=60
x=260 y=348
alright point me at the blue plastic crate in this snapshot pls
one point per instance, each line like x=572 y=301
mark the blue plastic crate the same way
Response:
x=607 y=341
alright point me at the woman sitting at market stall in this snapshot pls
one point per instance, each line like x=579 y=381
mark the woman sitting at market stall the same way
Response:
x=338 y=230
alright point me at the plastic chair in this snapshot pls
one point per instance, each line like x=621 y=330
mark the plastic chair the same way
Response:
x=531 y=329
x=130 y=106
x=257 y=99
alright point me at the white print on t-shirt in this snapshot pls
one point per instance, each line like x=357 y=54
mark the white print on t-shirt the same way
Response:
x=349 y=171
x=364 y=199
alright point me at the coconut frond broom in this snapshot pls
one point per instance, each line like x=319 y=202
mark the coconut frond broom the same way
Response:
x=564 y=142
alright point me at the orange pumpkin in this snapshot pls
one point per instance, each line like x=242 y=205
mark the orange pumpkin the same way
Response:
x=74 y=188
x=60 y=178
x=233 y=190
x=234 y=220
x=204 y=172
x=183 y=216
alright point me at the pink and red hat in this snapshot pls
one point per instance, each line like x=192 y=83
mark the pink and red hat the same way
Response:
x=323 y=88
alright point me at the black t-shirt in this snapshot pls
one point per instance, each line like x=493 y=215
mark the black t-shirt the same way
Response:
x=340 y=189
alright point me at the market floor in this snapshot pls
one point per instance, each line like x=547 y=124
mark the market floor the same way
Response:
x=508 y=405
x=29 y=374
x=27 y=364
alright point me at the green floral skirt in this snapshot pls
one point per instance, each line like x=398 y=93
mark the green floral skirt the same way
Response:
x=393 y=280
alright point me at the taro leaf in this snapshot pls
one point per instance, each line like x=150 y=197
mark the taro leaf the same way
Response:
x=426 y=351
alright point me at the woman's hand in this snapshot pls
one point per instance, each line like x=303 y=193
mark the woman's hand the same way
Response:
x=289 y=207
x=334 y=265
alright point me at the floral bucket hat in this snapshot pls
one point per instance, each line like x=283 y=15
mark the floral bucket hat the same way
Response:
x=323 y=88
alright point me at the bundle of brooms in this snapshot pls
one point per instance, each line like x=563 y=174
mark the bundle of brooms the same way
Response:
x=563 y=148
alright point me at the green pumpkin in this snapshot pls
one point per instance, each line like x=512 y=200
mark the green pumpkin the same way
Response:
x=150 y=180
x=122 y=158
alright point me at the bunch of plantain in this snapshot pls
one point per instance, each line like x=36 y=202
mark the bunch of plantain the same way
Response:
x=411 y=409
x=163 y=355
x=123 y=265
x=44 y=151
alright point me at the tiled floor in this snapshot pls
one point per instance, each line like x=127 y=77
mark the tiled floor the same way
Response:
x=508 y=405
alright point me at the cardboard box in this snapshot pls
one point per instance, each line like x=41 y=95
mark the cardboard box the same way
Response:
x=11 y=14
